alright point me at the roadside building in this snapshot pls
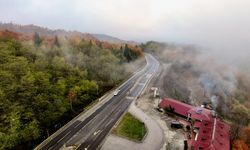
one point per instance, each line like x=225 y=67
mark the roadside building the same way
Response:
x=207 y=131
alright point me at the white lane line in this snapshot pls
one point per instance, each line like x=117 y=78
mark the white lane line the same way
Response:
x=130 y=97
x=96 y=132
x=109 y=122
x=148 y=75
x=77 y=125
x=141 y=83
x=63 y=137
x=86 y=148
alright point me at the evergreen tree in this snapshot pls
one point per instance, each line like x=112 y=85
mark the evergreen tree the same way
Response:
x=37 y=39
x=127 y=53
x=56 y=42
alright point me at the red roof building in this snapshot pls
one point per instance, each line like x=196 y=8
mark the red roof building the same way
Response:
x=210 y=132
x=179 y=107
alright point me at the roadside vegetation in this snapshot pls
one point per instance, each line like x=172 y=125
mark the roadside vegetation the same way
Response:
x=195 y=78
x=46 y=81
x=131 y=128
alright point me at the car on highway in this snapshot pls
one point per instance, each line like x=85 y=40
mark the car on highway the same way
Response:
x=116 y=92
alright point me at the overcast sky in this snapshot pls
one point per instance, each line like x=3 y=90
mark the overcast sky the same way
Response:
x=214 y=24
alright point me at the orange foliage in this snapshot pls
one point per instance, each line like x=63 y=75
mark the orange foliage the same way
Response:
x=14 y=35
x=243 y=143
x=19 y=36
x=136 y=49
x=107 y=45
x=239 y=145
x=245 y=135
x=75 y=40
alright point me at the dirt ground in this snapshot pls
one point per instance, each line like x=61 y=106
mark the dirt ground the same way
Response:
x=174 y=139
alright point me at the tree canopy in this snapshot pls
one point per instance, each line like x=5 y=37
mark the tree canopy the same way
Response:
x=43 y=87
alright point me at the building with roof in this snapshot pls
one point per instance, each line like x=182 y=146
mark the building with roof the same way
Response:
x=208 y=132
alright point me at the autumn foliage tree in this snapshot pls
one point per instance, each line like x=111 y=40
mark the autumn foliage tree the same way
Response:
x=132 y=52
x=239 y=145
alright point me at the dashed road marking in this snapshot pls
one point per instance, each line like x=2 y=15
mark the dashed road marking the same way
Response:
x=130 y=97
x=96 y=132
x=63 y=137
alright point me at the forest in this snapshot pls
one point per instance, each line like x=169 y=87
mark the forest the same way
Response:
x=46 y=81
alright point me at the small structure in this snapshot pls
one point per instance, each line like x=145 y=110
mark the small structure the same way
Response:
x=155 y=90
x=208 y=132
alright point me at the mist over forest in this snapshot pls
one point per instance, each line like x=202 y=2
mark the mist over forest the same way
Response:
x=82 y=49
x=45 y=81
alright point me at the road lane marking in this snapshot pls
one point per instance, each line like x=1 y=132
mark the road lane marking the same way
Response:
x=50 y=147
x=86 y=148
x=130 y=97
x=141 y=83
x=77 y=125
x=96 y=132
x=63 y=137
x=109 y=122
x=149 y=75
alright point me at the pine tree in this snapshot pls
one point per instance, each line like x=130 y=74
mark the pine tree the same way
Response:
x=127 y=53
x=37 y=39
x=56 y=42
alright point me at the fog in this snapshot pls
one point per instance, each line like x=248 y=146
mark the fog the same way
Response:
x=219 y=27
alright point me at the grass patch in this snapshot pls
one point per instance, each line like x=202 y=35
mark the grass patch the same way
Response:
x=131 y=128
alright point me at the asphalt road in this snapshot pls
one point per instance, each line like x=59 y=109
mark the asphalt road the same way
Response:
x=90 y=133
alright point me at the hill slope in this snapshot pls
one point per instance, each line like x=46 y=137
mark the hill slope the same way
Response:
x=31 y=29
x=111 y=39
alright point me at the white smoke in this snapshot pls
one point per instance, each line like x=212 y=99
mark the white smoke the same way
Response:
x=214 y=101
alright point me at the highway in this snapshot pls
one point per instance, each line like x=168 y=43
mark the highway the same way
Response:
x=88 y=133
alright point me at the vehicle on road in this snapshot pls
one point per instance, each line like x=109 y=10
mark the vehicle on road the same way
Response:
x=116 y=92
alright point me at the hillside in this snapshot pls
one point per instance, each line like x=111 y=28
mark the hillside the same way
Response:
x=31 y=29
x=111 y=39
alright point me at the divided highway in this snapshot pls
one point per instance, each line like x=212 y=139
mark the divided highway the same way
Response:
x=88 y=132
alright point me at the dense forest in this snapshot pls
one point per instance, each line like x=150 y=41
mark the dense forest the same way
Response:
x=46 y=81
x=195 y=79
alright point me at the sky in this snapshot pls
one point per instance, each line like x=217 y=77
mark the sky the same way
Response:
x=218 y=25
